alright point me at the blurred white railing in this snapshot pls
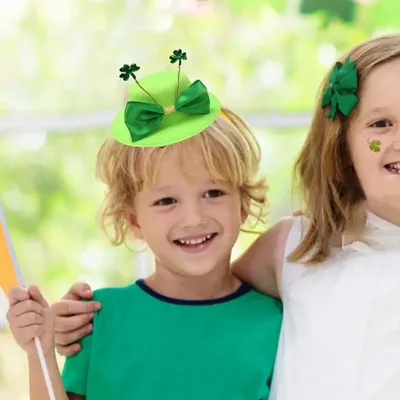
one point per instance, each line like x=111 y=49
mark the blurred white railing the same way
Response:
x=102 y=120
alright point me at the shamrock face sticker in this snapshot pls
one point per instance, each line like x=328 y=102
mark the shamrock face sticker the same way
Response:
x=375 y=146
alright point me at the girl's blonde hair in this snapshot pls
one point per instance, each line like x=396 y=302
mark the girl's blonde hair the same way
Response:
x=324 y=174
x=228 y=148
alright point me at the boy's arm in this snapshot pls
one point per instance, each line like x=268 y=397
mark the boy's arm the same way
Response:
x=37 y=386
x=261 y=264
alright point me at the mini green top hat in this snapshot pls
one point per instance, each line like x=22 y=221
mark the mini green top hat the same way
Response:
x=164 y=108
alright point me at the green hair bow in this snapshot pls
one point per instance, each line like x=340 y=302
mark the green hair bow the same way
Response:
x=343 y=84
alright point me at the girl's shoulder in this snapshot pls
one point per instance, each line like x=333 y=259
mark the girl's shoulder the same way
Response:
x=279 y=238
x=261 y=264
x=279 y=231
x=284 y=234
x=289 y=231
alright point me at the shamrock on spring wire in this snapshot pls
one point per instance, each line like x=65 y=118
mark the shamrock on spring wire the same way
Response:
x=128 y=70
x=178 y=55
x=343 y=84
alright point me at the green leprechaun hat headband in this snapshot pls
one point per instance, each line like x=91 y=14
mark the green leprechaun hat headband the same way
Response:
x=341 y=93
x=164 y=108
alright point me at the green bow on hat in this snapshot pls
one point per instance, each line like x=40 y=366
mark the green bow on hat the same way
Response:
x=143 y=118
x=164 y=108
x=343 y=84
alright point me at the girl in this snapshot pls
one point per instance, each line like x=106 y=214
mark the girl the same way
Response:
x=182 y=178
x=338 y=269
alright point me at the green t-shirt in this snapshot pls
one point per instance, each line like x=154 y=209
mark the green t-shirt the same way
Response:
x=145 y=346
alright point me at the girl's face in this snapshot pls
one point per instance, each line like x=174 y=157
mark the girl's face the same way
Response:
x=378 y=119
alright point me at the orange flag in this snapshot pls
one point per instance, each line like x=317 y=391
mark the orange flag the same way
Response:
x=10 y=274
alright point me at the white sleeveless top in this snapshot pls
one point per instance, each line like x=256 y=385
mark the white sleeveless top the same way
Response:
x=340 y=336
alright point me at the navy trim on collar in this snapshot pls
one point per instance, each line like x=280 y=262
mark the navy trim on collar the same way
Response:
x=242 y=290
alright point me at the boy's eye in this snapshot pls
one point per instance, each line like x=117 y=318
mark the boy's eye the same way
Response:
x=166 y=201
x=213 y=193
x=383 y=123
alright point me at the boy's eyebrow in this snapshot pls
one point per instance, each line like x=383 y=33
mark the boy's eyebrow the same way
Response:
x=167 y=187
x=161 y=188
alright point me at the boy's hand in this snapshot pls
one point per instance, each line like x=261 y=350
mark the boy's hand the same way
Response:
x=73 y=318
x=30 y=316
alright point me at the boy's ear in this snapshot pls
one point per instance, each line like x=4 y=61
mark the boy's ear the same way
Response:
x=244 y=214
x=137 y=230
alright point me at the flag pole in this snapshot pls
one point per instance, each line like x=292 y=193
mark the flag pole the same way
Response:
x=18 y=274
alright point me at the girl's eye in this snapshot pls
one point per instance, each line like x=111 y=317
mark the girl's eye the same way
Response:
x=166 y=201
x=213 y=193
x=383 y=123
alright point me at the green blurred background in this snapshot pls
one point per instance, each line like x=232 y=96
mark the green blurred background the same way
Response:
x=59 y=89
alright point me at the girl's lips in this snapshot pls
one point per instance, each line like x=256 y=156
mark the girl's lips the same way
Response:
x=393 y=167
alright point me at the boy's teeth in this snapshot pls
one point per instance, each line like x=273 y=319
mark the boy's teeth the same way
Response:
x=195 y=241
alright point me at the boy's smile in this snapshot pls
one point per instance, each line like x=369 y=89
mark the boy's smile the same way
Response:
x=195 y=244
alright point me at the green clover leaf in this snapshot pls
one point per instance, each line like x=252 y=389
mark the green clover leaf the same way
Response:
x=178 y=55
x=128 y=70
x=375 y=146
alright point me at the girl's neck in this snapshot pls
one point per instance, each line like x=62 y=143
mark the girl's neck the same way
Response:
x=369 y=212
x=217 y=284
x=389 y=212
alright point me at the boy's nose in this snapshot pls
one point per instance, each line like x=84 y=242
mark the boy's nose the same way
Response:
x=193 y=216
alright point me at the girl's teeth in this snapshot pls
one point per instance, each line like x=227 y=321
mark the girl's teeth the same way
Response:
x=395 y=167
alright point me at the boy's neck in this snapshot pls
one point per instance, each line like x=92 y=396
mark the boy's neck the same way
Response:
x=215 y=285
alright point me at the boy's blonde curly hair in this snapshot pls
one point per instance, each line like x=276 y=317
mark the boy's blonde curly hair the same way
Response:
x=229 y=150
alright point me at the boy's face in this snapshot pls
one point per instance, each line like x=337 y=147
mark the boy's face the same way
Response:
x=189 y=222
x=378 y=120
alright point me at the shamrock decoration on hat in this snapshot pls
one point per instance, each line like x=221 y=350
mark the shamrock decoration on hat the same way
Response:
x=128 y=71
x=178 y=55
x=164 y=108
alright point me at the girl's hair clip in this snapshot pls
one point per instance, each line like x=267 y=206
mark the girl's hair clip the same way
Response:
x=341 y=92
